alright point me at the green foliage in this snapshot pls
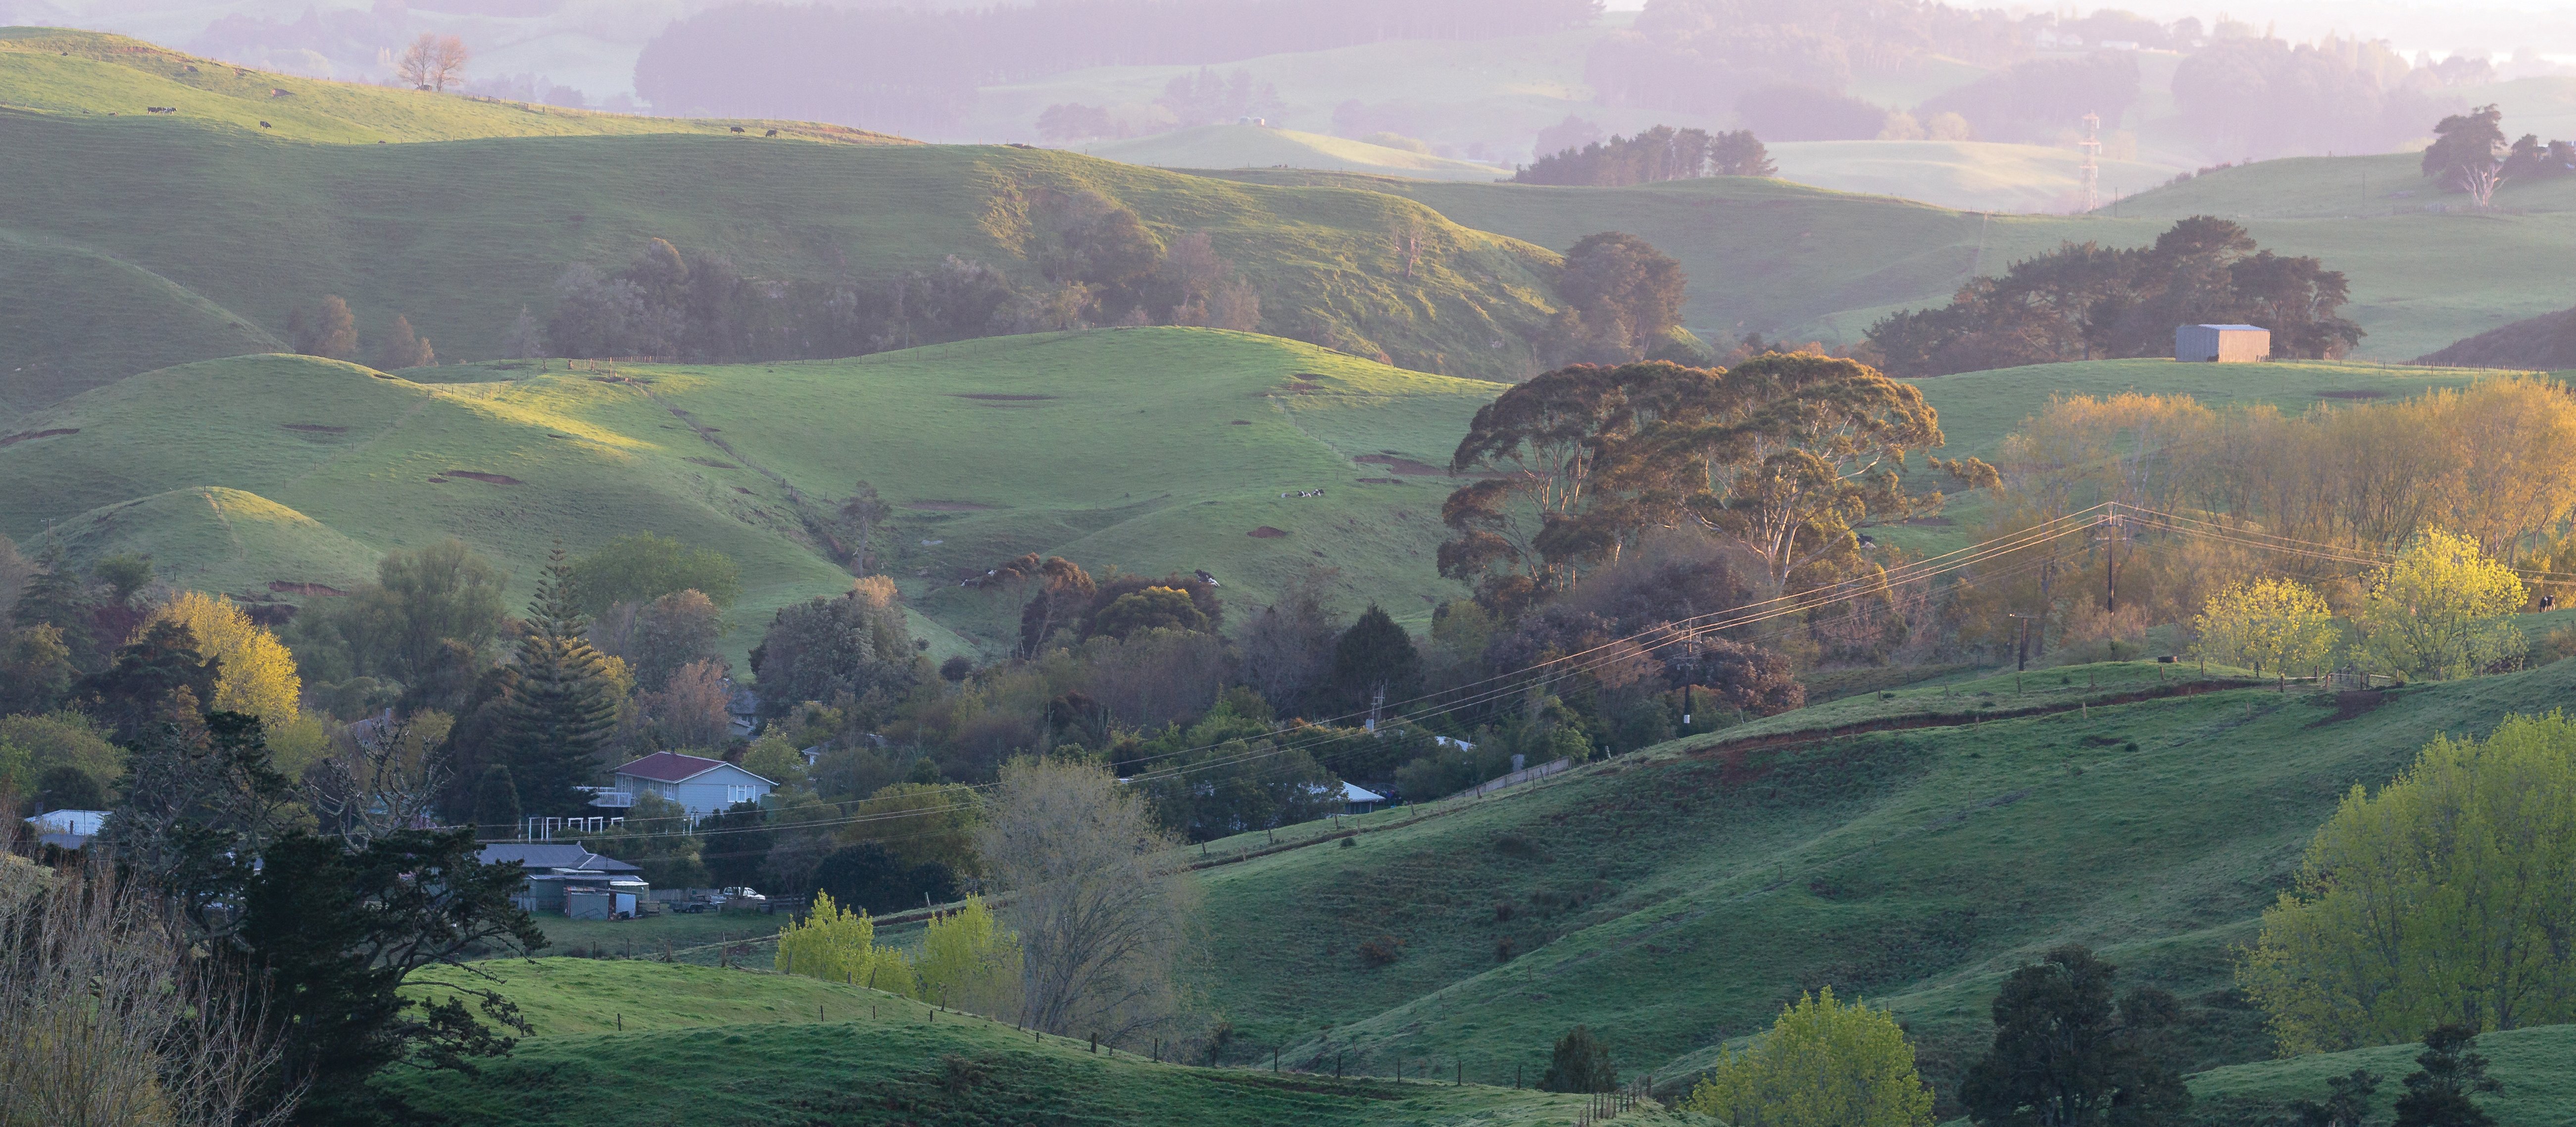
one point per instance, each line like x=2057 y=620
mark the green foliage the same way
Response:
x=35 y=669
x=836 y=945
x=650 y=840
x=559 y=703
x=2441 y=610
x=856 y=649
x=1154 y=608
x=640 y=567
x=158 y=675
x=2442 y=898
x=2346 y=1104
x=1623 y=297
x=2471 y=140
x=2449 y=1072
x=2063 y=1056
x=1824 y=1064
x=2274 y=624
x=968 y=961
x=496 y=803
x=1581 y=1063
x=776 y=758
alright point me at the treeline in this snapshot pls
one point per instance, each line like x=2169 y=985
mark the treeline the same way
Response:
x=1660 y=153
x=915 y=71
x=2086 y=301
x=1702 y=56
x=1096 y=264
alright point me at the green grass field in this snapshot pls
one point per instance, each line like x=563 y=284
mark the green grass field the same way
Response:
x=1148 y=449
x=1252 y=146
x=1967 y=175
x=2537 y=1067
x=700 y=1045
x=1674 y=899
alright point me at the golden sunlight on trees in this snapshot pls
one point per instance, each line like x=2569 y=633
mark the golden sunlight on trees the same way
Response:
x=2447 y=897
x=1824 y=1064
x=256 y=675
x=432 y=61
x=2269 y=625
x=835 y=944
x=2441 y=610
x=970 y=962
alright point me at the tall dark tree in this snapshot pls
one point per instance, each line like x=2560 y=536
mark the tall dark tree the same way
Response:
x=1375 y=659
x=857 y=645
x=153 y=680
x=2347 y=1101
x=2447 y=1073
x=2064 y=1056
x=338 y=931
x=2462 y=141
x=560 y=704
x=496 y=803
x=57 y=595
x=734 y=841
x=1581 y=1063
x=1064 y=595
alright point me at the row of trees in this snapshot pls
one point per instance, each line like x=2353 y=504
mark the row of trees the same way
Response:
x=2086 y=301
x=1657 y=154
x=329 y=330
x=1098 y=262
x=2438 y=611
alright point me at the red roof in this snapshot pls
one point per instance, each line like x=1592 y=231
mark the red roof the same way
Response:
x=670 y=767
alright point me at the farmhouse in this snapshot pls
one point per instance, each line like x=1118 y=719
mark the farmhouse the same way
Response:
x=570 y=879
x=701 y=786
x=2222 y=344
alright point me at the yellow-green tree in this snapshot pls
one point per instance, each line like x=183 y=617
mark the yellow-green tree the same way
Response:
x=2273 y=625
x=2447 y=897
x=2441 y=610
x=1824 y=1064
x=969 y=961
x=835 y=944
x=257 y=674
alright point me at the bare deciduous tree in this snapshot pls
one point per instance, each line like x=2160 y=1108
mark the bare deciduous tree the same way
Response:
x=1098 y=897
x=432 y=61
x=383 y=775
x=112 y=1018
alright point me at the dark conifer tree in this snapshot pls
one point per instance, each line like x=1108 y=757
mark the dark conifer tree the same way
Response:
x=58 y=596
x=1376 y=656
x=560 y=705
x=154 y=679
x=2448 y=1072
x=496 y=803
x=1581 y=1064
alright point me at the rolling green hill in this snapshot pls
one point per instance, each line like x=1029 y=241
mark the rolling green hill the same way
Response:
x=1253 y=146
x=1968 y=175
x=710 y=1046
x=1677 y=897
x=56 y=71
x=1148 y=449
x=142 y=240
x=1792 y=261
x=2537 y=1067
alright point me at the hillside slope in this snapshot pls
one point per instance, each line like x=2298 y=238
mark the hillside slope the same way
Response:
x=2547 y=341
x=710 y=1046
x=1675 y=898
x=58 y=71
x=2537 y=1067
x=1147 y=449
x=1252 y=146
x=1968 y=175
x=1787 y=260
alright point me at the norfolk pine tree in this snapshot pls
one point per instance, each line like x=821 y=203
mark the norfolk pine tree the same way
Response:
x=562 y=701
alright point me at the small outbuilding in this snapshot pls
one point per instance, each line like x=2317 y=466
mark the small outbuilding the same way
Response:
x=2222 y=344
x=565 y=877
x=68 y=829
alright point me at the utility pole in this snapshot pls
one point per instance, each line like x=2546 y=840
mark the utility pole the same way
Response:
x=2022 y=662
x=2112 y=533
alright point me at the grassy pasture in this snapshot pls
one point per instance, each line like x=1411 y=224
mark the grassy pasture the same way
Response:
x=2536 y=1065
x=701 y=1045
x=1252 y=146
x=1968 y=175
x=1676 y=899
x=1115 y=447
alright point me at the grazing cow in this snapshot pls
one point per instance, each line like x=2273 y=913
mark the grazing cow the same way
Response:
x=265 y=125
x=1206 y=578
x=771 y=133
x=736 y=128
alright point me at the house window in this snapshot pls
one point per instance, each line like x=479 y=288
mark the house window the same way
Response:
x=734 y=794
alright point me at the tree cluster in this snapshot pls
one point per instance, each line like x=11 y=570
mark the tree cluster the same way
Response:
x=916 y=71
x=1703 y=56
x=1657 y=154
x=2042 y=101
x=2260 y=98
x=2085 y=301
x=1623 y=302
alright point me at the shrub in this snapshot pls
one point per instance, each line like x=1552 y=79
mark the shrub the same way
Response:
x=1382 y=950
x=1824 y=1064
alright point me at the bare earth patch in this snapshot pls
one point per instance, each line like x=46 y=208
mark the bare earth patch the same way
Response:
x=291 y=587
x=947 y=506
x=2362 y=393
x=26 y=435
x=998 y=397
x=1265 y=532
x=486 y=478
x=314 y=428
x=1406 y=466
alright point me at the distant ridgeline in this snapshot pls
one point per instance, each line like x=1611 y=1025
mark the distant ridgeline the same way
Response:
x=2090 y=302
x=916 y=72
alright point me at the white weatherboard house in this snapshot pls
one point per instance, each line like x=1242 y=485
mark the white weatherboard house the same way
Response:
x=702 y=786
